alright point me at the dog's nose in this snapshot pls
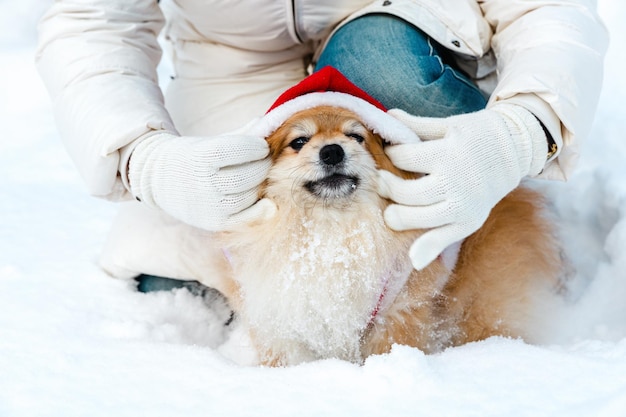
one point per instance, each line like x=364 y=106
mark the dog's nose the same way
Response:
x=332 y=154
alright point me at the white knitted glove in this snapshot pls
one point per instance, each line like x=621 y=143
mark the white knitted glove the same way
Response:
x=208 y=182
x=472 y=161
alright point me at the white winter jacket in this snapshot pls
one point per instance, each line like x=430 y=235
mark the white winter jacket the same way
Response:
x=98 y=59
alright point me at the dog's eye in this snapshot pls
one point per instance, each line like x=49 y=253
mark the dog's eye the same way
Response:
x=356 y=137
x=298 y=143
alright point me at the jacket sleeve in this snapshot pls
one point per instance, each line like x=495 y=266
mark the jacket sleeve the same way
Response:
x=550 y=59
x=98 y=59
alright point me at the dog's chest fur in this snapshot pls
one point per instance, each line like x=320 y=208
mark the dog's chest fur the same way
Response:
x=311 y=285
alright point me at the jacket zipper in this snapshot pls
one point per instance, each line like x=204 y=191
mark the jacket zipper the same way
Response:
x=295 y=21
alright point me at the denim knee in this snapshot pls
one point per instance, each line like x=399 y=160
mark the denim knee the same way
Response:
x=400 y=66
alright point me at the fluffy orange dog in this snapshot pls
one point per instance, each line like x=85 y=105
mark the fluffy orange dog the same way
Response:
x=327 y=278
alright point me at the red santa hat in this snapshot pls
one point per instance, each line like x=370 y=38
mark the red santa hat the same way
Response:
x=329 y=87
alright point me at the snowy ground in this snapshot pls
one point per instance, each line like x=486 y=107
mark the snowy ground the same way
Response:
x=74 y=342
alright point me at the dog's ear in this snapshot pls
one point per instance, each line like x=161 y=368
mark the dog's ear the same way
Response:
x=376 y=147
x=276 y=141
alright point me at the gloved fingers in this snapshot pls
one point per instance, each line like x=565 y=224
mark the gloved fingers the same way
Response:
x=422 y=157
x=223 y=151
x=418 y=192
x=262 y=210
x=231 y=204
x=240 y=178
x=426 y=128
x=400 y=217
x=431 y=244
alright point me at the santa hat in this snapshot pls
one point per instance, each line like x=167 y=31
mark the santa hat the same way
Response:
x=329 y=87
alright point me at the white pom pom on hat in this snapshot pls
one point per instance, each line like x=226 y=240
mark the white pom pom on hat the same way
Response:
x=329 y=87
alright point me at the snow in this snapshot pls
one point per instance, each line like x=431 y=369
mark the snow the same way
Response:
x=75 y=342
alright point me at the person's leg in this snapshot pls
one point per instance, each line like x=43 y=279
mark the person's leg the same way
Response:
x=211 y=297
x=400 y=66
x=152 y=283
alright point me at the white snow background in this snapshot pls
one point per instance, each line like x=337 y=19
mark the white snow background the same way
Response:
x=75 y=342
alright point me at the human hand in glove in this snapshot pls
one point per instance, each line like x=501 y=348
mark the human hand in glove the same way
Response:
x=208 y=182
x=472 y=161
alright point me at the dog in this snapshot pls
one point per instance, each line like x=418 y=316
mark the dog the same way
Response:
x=326 y=278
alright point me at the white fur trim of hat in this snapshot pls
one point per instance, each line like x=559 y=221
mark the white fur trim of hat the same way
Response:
x=328 y=87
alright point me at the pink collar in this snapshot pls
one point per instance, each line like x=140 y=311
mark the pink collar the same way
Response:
x=379 y=304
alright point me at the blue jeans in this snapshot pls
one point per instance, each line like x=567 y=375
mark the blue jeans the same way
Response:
x=401 y=67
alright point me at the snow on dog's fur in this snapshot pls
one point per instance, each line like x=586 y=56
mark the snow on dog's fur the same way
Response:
x=327 y=278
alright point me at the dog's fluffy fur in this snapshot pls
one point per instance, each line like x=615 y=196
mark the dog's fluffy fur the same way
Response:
x=327 y=278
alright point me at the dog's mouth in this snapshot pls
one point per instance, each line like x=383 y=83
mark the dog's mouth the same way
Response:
x=333 y=186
